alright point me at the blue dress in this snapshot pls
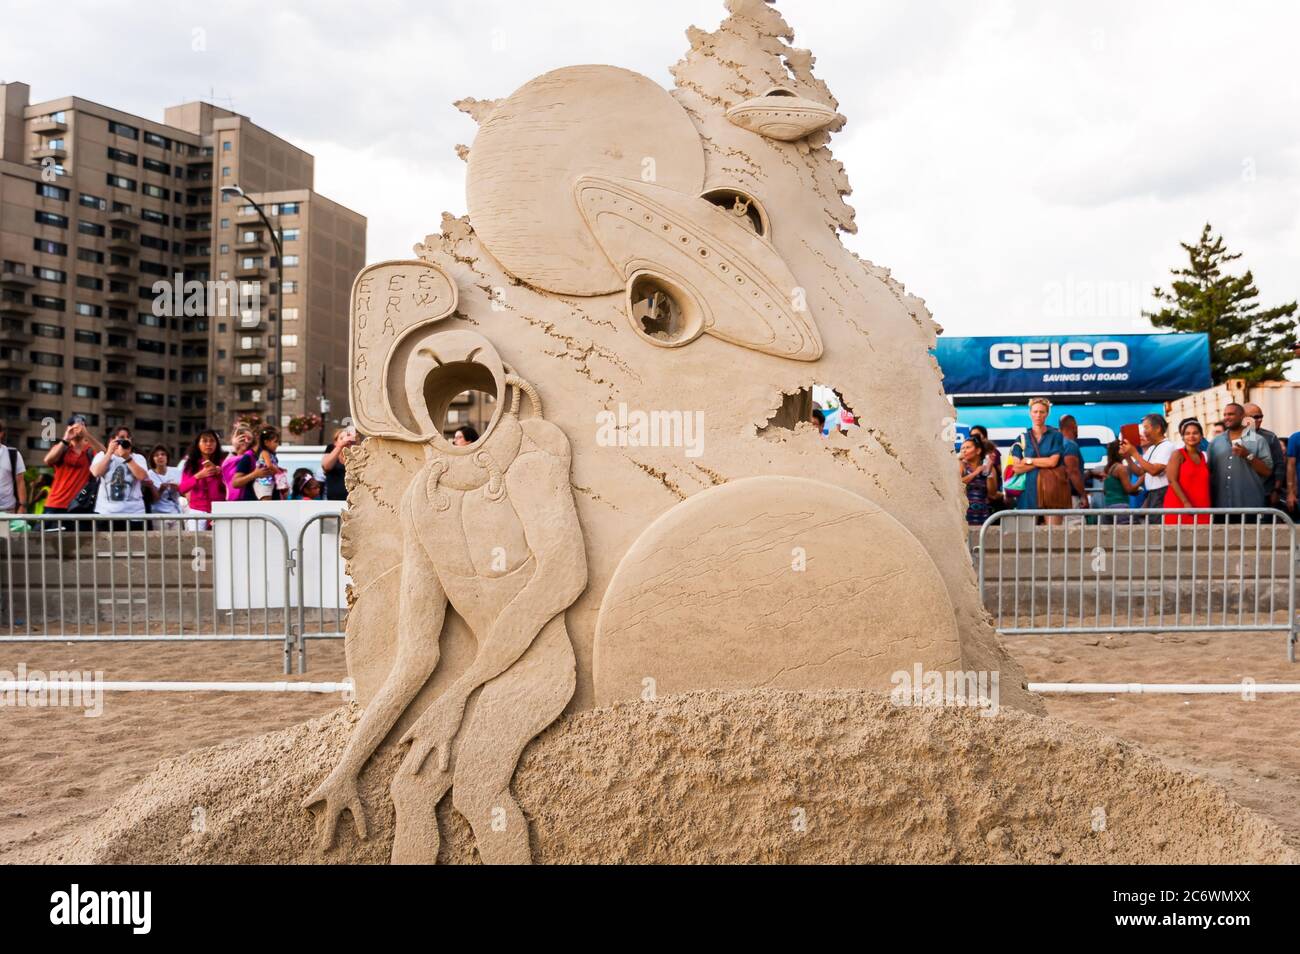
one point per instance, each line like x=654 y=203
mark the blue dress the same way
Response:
x=1051 y=443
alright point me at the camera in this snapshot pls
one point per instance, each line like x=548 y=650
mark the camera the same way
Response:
x=124 y=443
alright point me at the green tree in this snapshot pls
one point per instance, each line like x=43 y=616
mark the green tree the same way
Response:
x=1246 y=341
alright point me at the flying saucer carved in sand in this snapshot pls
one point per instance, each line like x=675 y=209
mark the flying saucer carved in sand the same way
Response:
x=781 y=114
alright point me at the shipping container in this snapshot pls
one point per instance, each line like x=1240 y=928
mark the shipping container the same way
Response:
x=1279 y=400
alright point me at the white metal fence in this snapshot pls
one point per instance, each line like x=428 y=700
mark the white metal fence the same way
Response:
x=1127 y=571
x=170 y=578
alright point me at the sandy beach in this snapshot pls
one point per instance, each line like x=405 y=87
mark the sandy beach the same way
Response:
x=60 y=770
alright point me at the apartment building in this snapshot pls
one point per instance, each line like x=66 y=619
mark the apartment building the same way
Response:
x=134 y=290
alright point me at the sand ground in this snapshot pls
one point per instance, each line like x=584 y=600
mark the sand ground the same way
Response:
x=59 y=769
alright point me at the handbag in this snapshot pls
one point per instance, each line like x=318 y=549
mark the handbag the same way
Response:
x=1053 y=484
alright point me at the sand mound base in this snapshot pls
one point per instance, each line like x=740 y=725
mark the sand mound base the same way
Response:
x=755 y=776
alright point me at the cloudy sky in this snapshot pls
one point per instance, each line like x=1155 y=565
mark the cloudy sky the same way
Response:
x=1021 y=166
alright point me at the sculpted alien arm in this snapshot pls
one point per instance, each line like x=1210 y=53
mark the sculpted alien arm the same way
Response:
x=422 y=607
x=539 y=489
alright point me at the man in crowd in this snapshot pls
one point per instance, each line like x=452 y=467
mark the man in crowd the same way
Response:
x=1240 y=463
x=70 y=457
x=122 y=475
x=1073 y=458
x=13 y=488
x=1150 y=463
x=1275 y=485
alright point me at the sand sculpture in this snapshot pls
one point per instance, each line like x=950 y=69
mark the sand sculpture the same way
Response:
x=664 y=269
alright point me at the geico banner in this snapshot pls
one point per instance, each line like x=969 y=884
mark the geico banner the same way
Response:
x=1055 y=364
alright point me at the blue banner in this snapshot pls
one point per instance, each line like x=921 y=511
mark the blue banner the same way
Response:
x=1158 y=365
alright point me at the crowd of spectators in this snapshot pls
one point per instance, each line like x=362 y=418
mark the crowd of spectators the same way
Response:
x=116 y=478
x=1238 y=464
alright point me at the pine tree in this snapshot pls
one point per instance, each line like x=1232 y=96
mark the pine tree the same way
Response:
x=1245 y=340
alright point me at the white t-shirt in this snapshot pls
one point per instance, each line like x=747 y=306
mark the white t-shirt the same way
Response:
x=8 y=498
x=1158 y=454
x=170 y=500
x=119 y=490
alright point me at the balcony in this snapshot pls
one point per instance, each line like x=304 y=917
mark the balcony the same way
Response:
x=48 y=152
x=122 y=219
x=250 y=351
x=119 y=403
x=124 y=272
x=119 y=322
x=127 y=298
x=16 y=395
x=15 y=333
x=14 y=308
x=124 y=376
x=250 y=271
x=13 y=278
x=258 y=378
x=252 y=245
x=247 y=404
x=122 y=245
x=18 y=364
x=47 y=124
x=119 y=351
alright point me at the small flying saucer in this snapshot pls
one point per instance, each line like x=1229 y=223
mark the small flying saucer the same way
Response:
x=781 y=114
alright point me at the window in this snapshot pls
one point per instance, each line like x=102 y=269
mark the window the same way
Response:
x=55 y=144
x=291 y=394
x=153 y=139
x=90 y=282
x=290 y=261
x=289 y=235
x=286 y=208
x=156 y=192
x=152 y=241
x=225 y=171
x=150 y=215
x=290 y=314
x=290 y=287
x=250 y=367
x=288 y=367
x=154 y=165
x=52 y=304
x=45 y=387
x=149 y=319
x=42 y=330
x=122 y=129
x=289 y=341
x=118 y=155
x=88 y=337
x=46 y=247
x=90 y=311
x=120 y=182
x=148 y=397
x=86 y=364
x=49 y=274
x=46 y=191
x=250 y=261
x=90 y=228
x=154 y=347
x=93 y=202
x=225 y=223
x=149 y=371
x=47 y=359
x=50 y=218
x=90 y=255
x=224 y=248
x=226 y=145
x=85 y=391
x=154 y=268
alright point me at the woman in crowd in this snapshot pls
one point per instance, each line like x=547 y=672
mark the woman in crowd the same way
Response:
x=70 y=457
x=259 y=469
x=994 y=458
x=464 y=436
x=1038 y=455
x=974 y=469
x=201 y=480
x=166 y=481
x=241 y=444
x=1189 y=476
x=1119 y=484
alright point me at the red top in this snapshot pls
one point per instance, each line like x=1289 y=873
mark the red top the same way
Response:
x=70 y=475
x=1194 y=479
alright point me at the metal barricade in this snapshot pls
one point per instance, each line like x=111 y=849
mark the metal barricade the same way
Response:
x=322 y=611
x=1127 y=571
x=145 y=578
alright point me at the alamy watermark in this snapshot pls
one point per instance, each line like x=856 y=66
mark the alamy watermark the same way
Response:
x=228 y=298
x=62 y=689
x=636 y=428
x=976 y=689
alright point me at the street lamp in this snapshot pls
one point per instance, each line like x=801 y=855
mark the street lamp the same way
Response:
x=278 y=379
